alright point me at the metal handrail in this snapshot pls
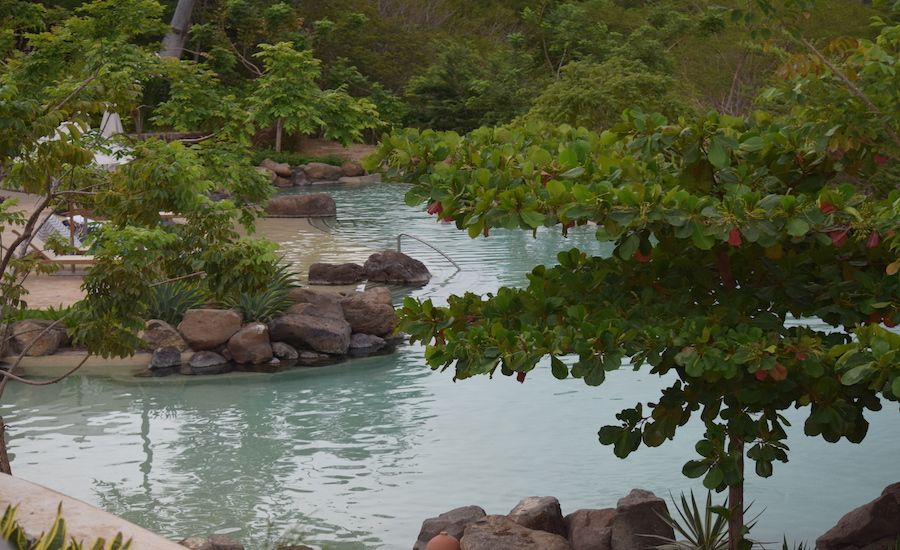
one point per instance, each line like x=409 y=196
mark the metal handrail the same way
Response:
x=429 y=245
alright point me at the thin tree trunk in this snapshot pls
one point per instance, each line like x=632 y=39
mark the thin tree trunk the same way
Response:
x=4 y=458
x=279 y=129
x=173 y=43
x=736 y=499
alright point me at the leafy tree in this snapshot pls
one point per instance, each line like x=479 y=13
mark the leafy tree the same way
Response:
x=729 y=232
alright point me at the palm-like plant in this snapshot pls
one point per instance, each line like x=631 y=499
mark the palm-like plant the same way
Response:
x=705 y=529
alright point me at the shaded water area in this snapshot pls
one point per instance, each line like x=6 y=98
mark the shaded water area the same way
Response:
x=357 y=455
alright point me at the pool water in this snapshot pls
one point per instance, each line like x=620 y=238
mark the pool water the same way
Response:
x=357 y=455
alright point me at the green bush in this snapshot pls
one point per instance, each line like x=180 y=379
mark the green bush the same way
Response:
x=263 y=305
x=49 y=314
x=171 y=300
x=54 y=539
x=292 y=158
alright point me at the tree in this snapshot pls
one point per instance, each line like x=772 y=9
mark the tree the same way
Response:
x=173 y=43
x=286 y=94
x=725 y=228
x=51 y=89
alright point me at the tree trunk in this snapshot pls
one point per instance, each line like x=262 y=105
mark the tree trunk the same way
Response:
x=736 y=499
x=173 y=43
x=4 y=458
x=279 y=129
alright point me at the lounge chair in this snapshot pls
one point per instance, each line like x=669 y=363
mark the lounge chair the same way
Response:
x=38 y=246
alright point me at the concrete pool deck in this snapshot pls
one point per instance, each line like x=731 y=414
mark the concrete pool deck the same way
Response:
x=37 y=507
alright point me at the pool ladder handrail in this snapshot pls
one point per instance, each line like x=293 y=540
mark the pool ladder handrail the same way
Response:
x=429 y=245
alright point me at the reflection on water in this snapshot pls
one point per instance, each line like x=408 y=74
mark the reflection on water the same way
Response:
x=356 y=455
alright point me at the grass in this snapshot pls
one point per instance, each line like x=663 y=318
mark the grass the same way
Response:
x=292 y=158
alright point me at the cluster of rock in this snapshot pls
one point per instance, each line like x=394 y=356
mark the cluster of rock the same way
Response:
x=37 y=337
x=283 y=175
x=872 y=526
x=389 y=267
x=537 y=523
x=320 y=328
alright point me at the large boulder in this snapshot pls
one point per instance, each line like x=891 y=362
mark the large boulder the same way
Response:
x=282 y=169
x=363 y=345
x=335 y=274
x=36 y=338
x=313 y=205
x=639 y=521
x=872 y=526
x=391 y=266
x=282 y=183
x=352 y=169
x=316 y=302
x=205 y=329
x=322 y=334
x=160 y=334
x=207 y=362
x=370 y=312
x=250 y=345
x=540 y=513
x=165 y=360
x=284 y=352
x=454 y=523
x=590 y=529
x=501 y=533
x=197 y=543
x=319 y=171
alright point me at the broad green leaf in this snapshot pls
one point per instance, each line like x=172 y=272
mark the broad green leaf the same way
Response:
x=717 y=154
x=797 y=227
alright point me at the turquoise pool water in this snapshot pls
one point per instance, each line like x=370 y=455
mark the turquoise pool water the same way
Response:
x=357 y=455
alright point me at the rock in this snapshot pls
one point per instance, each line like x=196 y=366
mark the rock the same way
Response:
x=352 y=169
x=160 y=334
x=637 y=522
x=224 y=542
x=282 y=183
x=270 y=175
x=453 y=523
x=319 y=171
x=205 y=329
x=313 y=359
x=250 y=345
x=368 y=313
x=335 y=274
x=313 y=205
x=872 y=526
x=316 y=302
x=362 y=345
x=361 y=180
x=501 y=533
x=299 y=177
x=282 y=169
x=391 y=266
x=165 y=358
x=590 y=529
x=322 y=334
x=208 y=362
x=294 y=547
x=197 y=543
x=540 y=513
x=33 y=337
x=285 y=352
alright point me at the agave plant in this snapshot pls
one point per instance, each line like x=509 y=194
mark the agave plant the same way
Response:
x=262 y=306
x=705 y=529
x=796 y=546
x=171 y=300
x=13 y=533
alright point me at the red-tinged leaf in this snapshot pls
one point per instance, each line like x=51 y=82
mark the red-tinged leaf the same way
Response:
x=734 y=237
x=761 y=375
x=435 y=208
x=487 y=231
x=881 y=159
x=826 y=207
x=839 y=237
x=875 y=318
x=779 y=372
x=520 y=377
x=889 y=321
x=800 y=356
x=874 y=240
x=640 y=257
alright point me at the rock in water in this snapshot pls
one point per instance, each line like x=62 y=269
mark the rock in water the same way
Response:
x=159 y=334
x=370 y=312
x=395 y=267
x=454 y=523
x=208 y=362
x=501 y=533
x=352 y=169
x=313 y=205
x=590 y=529
x=250 y=345
x=319 y=171
x=362 y=345
x=872 y=526
x=322 y=334
x=335 y=274
x=33 y=337
x=285 y=352
x=637 y=522
x=540 y=513
x=205 y=329
x=166 y=358
x=282 y=169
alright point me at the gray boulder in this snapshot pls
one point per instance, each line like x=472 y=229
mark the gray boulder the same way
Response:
x=313 y=205
x=36 y=338
x=313 y=359
x=319 y=171
x=370 y=312
x=316 y=302
x=207 y=362
x=501 y=533
x=282 y=169
x=224 y=542
x=360 y=180
x=159 y=334
x=637 y=522
x=165 y=359
x=590 y=529
x=540 y=513
x=205 y=329
x=352 y=169
x=250 y=345
x=283 y=351
x=395 y=267
x=335 y=274
x=322 y=334
x=872 y=526
x=454 y=523
x=197 y=543
x=362 y=345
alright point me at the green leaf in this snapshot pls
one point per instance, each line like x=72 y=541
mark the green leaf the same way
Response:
x=532 y=219
x=573 y=173
x=694 y=468
x=752 y=144
x=717 y=154
x=713 y=478
x=895 y=387
x=558 y=368
x=797 y=227
x=556 y=188
x=629 y=246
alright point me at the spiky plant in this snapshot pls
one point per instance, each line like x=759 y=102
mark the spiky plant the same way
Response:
x=171 y=300
x=53 y=539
